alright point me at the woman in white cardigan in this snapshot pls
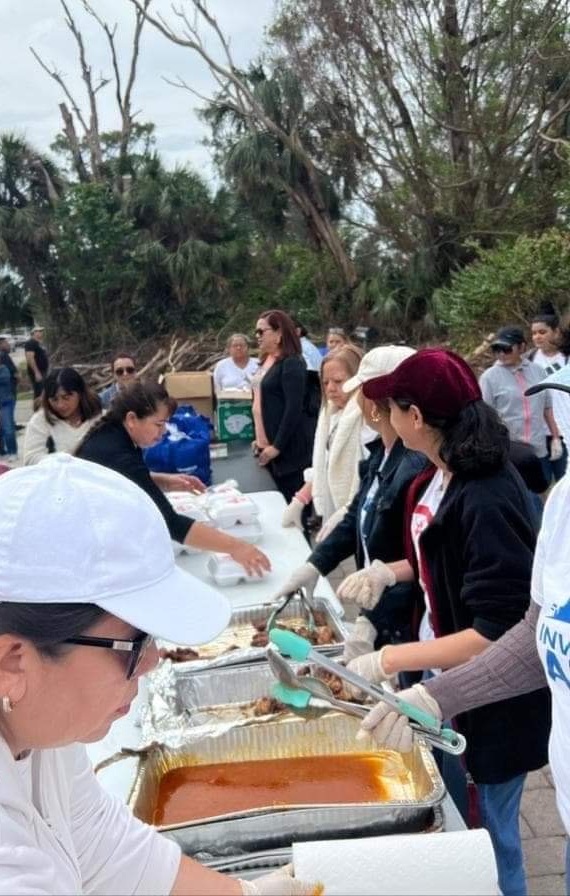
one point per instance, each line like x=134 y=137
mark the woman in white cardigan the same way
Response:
x=69 y=408
x=338 y=449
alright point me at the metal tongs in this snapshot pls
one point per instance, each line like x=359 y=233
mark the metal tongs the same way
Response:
x=306 y=606
x=423 y=724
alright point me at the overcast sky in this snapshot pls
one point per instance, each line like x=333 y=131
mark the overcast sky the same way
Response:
x=29 y=98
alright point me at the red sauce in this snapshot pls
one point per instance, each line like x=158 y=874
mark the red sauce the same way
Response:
x=201 y=791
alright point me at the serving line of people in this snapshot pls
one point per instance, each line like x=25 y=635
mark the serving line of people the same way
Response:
x=77 y=632
x=468 y=540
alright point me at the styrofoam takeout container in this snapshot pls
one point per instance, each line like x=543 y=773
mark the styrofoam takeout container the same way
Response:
x=228 y=510
x=226 y=572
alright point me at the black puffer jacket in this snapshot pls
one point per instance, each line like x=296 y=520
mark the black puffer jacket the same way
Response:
x=393 y=617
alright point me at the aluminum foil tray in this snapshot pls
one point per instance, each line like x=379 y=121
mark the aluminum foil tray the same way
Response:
x=413 y=792
x=200 y=691
x=240 y=632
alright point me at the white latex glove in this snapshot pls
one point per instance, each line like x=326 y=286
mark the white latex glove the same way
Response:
x=333 y=520
x=556 y=449
x=360 y=640
x=368 y=666
x=292 y=514
x=366 y=586
x=278 y=883
x=389 y=729
x=306 y=576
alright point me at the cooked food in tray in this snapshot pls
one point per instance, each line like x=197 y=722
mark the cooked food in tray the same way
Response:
x=322 y=634
x=252 y=634
x=192 y=792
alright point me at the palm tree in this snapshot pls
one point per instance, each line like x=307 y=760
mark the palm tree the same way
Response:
x=30 y=187
x=273 y=172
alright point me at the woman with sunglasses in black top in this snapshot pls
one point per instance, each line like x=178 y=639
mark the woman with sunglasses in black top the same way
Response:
x=284 y=412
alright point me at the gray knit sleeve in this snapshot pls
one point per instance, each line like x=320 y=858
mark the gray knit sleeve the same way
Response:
x=507 y=668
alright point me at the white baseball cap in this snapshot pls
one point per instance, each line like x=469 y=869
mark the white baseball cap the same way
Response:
x=72 y=531
x=378 y=362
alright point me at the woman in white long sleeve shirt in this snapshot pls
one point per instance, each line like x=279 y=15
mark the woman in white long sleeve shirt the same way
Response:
x=69 y=408
x=76 y=615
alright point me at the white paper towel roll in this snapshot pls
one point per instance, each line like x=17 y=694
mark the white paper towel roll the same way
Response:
x=458 y=863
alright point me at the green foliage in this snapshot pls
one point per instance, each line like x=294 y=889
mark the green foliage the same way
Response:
x=505 y=284
x=14 y=307
x=94 y=241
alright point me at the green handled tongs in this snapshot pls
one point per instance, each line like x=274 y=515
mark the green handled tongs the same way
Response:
x=305 y=605
x=421 y=722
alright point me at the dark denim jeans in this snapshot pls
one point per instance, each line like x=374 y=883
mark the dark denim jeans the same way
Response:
x=8 y=426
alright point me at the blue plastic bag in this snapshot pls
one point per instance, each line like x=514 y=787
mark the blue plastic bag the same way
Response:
x=193 y=424
x=182 y=451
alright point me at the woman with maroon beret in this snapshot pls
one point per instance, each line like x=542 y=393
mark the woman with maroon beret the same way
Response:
x=471 y=534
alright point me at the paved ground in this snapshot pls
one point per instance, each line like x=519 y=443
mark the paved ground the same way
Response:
x=542 y=831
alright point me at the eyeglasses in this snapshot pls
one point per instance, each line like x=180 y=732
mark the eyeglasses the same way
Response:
x=137 y=647
x=502 y=349
x=259 y=332
x=120 y=371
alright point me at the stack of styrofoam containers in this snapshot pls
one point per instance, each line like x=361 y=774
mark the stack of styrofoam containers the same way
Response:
x=238 y=515
x=224 y=507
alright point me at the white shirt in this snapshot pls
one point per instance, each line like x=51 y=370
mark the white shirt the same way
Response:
x=311 y=354
x=66 y=438
x=422 y=517
x=61 y=833
x=227 y=374
x=560 y=400
x=551 y=591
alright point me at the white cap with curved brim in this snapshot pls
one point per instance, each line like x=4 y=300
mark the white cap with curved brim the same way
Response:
x=560 y=379
x=72 y=531
x=378 y=361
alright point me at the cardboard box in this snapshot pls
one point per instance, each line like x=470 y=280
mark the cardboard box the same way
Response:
x=234 y=395
x=192 y=387
x=234 y=418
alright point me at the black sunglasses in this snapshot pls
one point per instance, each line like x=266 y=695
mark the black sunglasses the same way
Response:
x=502 y=349
x=122 y=370
x=137 y=647
x=259 y=332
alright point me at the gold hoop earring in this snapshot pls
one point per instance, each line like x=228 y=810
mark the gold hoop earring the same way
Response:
x=375 y=415
x=7 y=704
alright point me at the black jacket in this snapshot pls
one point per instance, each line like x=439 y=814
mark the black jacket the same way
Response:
x=288 y=424
x=111 y=446
x=478 y=554
x=393 y=616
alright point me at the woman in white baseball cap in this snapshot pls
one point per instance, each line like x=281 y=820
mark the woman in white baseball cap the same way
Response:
x=81 y=601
